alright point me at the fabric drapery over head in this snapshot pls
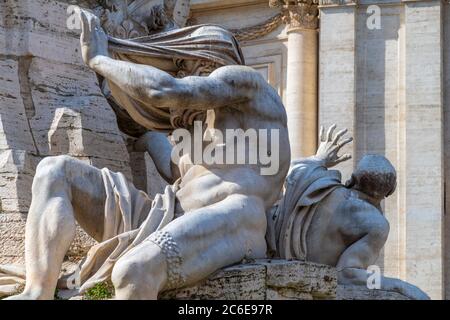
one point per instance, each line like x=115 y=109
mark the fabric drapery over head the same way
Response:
x=209 y=43
x=204 y=42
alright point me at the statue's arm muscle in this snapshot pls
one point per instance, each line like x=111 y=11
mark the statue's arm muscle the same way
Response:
x=160 y=150
x=365 y=223
x=353 y=264
x=225 y=86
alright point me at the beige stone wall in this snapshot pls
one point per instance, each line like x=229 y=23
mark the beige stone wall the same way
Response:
x=386 y=86
x=446 y=96
x=50 y=104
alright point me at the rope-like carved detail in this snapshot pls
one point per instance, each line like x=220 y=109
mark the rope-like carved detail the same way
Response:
x=175 y=276
x=258 y=31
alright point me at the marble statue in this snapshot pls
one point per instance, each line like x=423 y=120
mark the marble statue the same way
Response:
x=321 y=220
x=210 y=217
x=159 y=76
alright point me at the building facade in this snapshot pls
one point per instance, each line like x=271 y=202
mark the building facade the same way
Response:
x=379 y=68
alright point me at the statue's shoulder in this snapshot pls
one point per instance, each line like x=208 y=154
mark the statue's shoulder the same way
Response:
x=358 y=212
x=245 y=78
x=350 y=203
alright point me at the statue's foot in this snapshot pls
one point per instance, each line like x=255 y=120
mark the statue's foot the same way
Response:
x=21 y=296
x=27 y=296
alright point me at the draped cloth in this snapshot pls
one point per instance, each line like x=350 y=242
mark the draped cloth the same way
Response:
x=208 y=43
x=130 y=217
x=307 y=184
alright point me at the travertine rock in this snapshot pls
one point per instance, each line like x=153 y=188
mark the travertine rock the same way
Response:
x=240 y=282
x=295 y=279
x=362 y=293
x=272 y=280
x=264 y=279
x=50 y=104
x=16 y=175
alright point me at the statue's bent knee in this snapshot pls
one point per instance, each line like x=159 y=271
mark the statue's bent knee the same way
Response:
x=51 y=170
x=137 y=268
x=125 y=272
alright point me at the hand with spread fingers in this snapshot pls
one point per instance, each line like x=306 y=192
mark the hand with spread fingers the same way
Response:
x=94 y=41
x=330 y=145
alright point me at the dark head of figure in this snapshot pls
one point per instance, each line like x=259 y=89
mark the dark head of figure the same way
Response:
x=375 y=176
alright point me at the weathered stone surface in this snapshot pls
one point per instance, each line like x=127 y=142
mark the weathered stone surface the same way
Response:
x=303 y=278
x=16 y=173
x=265 y=279
x=50 y=104
x=362 y=293
x=240 y=282
x=12 y=233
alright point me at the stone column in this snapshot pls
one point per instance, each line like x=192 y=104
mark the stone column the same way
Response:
x=301 y=97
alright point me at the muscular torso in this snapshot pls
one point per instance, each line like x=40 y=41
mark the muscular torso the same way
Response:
x=340 y=220
x=202 y=184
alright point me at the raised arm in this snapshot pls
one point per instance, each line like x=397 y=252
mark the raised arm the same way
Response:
x=329 y=147
x=225 y=86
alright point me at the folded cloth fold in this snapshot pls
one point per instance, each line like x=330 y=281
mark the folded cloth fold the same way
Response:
x=130 y=216
x=307 y=183
x=209 y=43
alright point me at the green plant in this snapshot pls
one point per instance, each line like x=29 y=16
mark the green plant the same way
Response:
x=101 y=291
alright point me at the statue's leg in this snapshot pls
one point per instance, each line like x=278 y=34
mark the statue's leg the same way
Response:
x=64 y=190
x=192 y=247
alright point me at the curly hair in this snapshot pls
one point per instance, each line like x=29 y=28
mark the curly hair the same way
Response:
x=375 y=176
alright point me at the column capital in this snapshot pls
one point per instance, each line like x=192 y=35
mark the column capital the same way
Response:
x=298 y=14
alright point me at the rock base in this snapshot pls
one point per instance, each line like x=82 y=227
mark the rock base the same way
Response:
x=362 y=293
x=264 y=280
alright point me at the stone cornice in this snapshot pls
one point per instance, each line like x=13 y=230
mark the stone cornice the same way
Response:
x=337 y=2
x=298 y=14
x=207 y=5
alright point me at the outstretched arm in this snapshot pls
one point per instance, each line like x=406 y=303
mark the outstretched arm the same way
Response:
x=157 y=88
